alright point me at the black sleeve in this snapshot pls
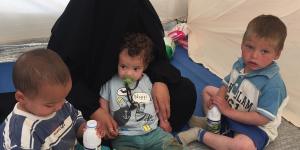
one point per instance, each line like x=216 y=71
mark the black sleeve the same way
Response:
x=162 y=71
x=71 y=38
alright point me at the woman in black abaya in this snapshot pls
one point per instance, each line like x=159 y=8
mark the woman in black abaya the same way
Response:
x=87 y=37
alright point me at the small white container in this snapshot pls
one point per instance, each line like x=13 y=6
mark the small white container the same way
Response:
x=214 y=120
x=91 y=141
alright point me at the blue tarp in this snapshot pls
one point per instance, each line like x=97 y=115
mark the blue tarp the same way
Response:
x=6 y=84
x=197 y=73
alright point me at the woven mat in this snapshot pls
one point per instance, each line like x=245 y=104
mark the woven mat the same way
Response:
x=288 y=139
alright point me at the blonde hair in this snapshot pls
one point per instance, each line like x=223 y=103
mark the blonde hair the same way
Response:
x=269 y=27
x=38 y=67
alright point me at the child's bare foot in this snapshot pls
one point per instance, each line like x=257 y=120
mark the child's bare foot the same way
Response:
x=165 y=125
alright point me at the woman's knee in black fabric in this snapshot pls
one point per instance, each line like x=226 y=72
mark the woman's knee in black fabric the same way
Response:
x=183 y=101
x=183 y=92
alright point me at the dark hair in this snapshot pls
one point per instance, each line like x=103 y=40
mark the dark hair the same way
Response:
x=38 y=67
x=269 y=27
x=138 y=44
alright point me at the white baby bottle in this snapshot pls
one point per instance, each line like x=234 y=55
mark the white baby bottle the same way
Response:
x=91 y=141
x=214 y=120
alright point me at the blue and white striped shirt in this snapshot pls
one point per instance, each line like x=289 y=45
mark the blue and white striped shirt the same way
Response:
x=22 y=130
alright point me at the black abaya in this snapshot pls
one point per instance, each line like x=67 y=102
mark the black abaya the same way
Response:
x=87 y=37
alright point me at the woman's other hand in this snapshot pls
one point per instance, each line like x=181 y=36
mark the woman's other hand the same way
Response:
x=109 y=124
x=161 y=96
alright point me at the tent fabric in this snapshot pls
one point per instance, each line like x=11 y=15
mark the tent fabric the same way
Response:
x=168 y=10
x=28 y=19
x=216 y=30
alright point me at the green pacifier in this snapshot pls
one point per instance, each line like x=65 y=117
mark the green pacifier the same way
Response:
x=128 y=81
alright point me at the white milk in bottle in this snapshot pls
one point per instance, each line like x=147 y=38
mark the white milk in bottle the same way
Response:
x=214 y=120
x=91 y=141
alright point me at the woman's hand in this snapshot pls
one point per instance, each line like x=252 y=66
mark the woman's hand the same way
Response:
x=109 y=124
x=100 y=129
x=164 y=124
x=161 y=96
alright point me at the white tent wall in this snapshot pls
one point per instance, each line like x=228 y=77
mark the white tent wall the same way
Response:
x=169 y=10
x=216 y=30
x=28 y=19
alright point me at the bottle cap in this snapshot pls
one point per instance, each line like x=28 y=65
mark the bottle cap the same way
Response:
x=214 y=114
x=91 y=124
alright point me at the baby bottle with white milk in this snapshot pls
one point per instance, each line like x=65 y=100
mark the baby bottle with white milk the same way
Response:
x=214 y=120
x=91 y=141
